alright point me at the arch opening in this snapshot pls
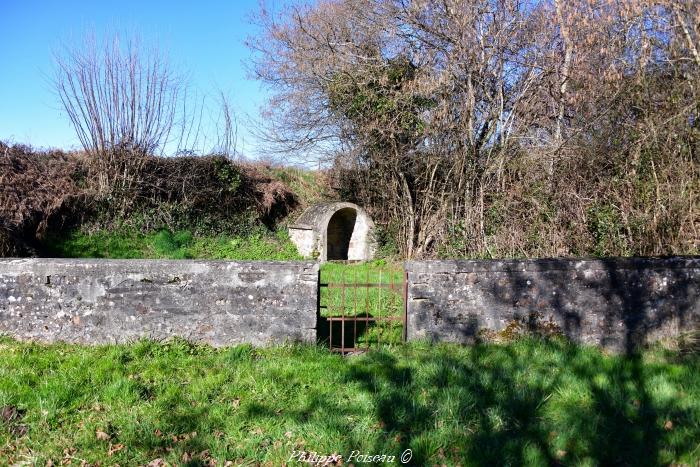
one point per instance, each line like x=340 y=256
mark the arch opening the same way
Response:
x=340 y=229
x=334 y=231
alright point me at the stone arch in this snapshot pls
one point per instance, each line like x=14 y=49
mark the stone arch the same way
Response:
x=333 y=231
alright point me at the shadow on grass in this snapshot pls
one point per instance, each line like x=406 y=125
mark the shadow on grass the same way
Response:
x=532 y=402
x=548 y=403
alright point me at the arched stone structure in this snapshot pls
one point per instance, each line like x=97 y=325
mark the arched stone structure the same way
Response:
x=334 y=231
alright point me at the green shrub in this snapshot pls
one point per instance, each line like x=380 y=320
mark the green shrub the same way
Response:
x=606 y=227
x=227 y=173
x=172 y=245
x=385 y=238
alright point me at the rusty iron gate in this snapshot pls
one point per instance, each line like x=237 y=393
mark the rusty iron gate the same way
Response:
x=361 y=307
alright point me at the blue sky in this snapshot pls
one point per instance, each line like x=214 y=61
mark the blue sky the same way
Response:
x=202 y=38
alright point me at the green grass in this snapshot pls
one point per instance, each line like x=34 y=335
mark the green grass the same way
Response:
x=528 y=403
x=309 y=186
x=165 y=244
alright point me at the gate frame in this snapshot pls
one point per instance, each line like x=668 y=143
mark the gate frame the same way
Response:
x=401 y=288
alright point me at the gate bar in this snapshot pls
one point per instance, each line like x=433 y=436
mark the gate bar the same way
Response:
x=354 y=309
x=367 y=284
x=366 y=310
x=405 y=306
x=342 y=311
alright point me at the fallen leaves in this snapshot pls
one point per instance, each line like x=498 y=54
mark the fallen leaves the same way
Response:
x=158 y=463
x=10 y=413
x=203 y=458
x=68 y=456
x=183 y=437
x=113 y=448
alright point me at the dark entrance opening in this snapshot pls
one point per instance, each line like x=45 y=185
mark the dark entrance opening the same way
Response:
x=340 y=229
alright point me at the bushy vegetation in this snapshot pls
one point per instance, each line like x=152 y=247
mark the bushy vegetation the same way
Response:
x=483 y=129
x=532 y=402
x=572 y=131
x=45 y=196
x=308 y=186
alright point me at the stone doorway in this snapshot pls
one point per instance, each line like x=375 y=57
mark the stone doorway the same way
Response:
x=334 y=232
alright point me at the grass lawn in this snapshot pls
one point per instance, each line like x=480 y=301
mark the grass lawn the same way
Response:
x=531 y=402
x=164 y=244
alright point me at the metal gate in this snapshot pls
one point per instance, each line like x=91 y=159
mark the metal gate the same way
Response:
x=361 y=306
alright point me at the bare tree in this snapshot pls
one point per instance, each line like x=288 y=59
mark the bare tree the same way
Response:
x=446 y=118
x=226 y=128
x=122 y=99
x=422 y=97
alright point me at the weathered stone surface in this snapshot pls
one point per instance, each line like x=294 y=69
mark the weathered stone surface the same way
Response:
x=334 y=231
x=105 y=301
x=615 y=303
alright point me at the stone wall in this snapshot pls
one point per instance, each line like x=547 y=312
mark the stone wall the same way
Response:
x=614 y=303
x=106 y=301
